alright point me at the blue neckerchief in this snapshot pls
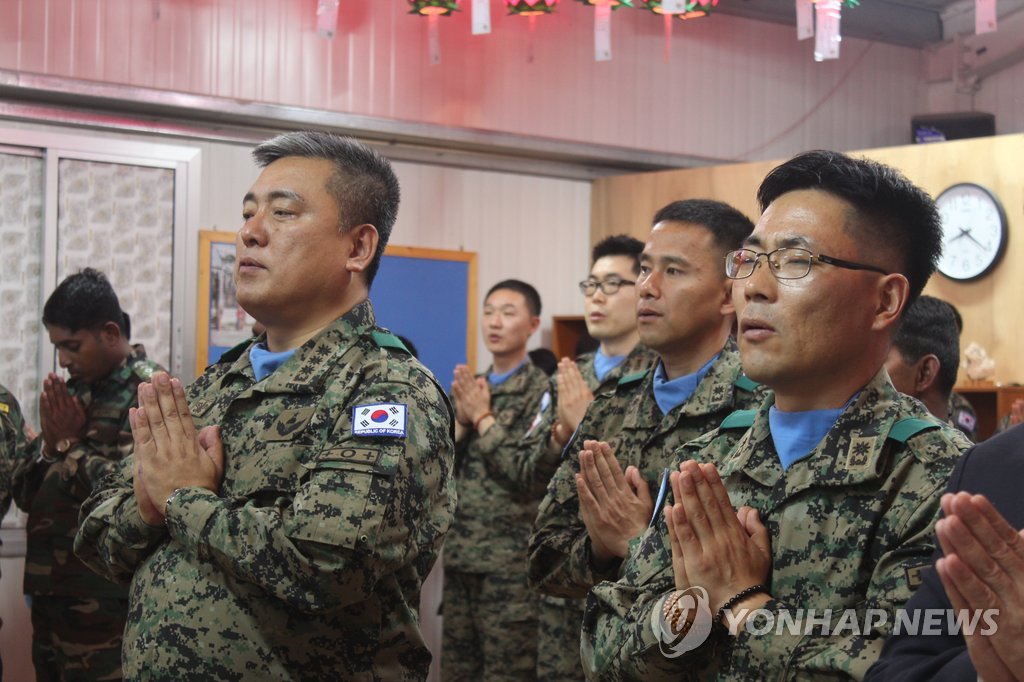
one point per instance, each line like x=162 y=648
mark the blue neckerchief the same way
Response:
x=605 y=363
x=264 y=362
x=498 y=379
x=671 y=394
x=796 y=434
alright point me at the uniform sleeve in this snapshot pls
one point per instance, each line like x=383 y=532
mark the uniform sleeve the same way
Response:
x=368 y=507
x=112 y=538
x=510 y=458
x=560 y=561
x=89 y=461
x=12 y=450
x=619 y=643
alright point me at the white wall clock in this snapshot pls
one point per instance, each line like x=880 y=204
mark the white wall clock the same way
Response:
x=974 y=231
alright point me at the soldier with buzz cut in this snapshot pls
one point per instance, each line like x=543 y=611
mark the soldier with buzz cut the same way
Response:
x=603 y=493
x=77 y=616
x=791 y=525
x=490 y=614
x=278 y=518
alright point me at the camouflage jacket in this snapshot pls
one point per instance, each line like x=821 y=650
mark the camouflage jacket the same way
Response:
x=498 y=495
x=630 y=420
x=850 y=528
x=539 y=434
x=53 y=493
x=308 y=562
x=12 y=445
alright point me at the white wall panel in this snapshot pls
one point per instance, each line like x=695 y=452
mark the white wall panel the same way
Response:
x=732 y=84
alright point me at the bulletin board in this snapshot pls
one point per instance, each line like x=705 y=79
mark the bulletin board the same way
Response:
x=429 y=297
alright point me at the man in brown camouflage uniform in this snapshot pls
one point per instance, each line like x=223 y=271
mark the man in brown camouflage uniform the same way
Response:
x=686 y=316
x=284 y=532
x=12 y=450
x=490 y=615
x=78 y=617
x=824 y=498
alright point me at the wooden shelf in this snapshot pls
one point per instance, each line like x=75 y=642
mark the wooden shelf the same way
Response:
x=991 y=402
x=567 y=331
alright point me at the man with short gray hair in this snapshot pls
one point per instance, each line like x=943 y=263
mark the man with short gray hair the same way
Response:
x=277 y=519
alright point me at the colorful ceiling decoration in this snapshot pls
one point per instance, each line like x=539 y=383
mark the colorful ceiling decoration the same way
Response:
x=433 y=7
x=531 y=8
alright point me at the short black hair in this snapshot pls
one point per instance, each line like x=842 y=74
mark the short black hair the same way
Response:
x=364 y=185
x=544 y=360
x=728 y=226
x=893 y=214
x=619 y=245
x=527 y=290
x=929 y=326
x=85 y=300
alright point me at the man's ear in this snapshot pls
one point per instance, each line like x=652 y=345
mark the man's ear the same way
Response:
x=364 y=239
x=893 y=292
x=110 y=334
x=926 y=373
x=534 y=324
x=727 y=306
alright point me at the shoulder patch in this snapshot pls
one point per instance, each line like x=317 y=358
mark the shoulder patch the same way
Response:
x=740 y=419
x=379 y=419
x=745 y=383
x=905 y=429
x=385 y=339
x=633 y=378
x=5 y=408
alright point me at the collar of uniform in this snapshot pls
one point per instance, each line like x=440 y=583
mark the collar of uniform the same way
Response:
x=849 y=454
x=515 y=384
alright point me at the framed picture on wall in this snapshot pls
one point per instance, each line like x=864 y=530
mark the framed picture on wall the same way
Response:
x=221 y=323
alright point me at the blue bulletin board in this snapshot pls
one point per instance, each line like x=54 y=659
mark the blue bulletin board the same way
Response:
x=429 y=297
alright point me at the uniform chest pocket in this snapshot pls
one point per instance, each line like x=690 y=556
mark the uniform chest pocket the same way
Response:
x=344 y=501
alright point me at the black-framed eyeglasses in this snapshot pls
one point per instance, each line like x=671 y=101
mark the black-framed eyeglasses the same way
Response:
x=786 y=263
x=608 y=286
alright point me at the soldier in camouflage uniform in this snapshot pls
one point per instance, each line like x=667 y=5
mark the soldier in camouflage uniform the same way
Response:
x=12 y=449
x=78 y=617
x=686 y=316
x=490 y=615
x=825 y=496
x=610 y=314
x=285 y=531
x=925 y=355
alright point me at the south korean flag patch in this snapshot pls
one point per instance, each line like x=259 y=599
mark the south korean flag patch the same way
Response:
x=379 y=419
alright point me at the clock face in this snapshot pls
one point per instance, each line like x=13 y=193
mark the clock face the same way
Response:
x=973 y=231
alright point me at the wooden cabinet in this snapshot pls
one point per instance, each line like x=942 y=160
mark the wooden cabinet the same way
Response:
x=991 y=402
x=567 y=332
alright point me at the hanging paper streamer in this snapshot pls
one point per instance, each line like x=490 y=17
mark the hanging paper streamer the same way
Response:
x=804 y=19
x=481 y=17
x=433 y=39
x=327 y=18
x=985 y=19
x=826 y=30
x=603 y=33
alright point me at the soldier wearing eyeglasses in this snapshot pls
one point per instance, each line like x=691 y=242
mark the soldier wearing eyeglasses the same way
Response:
x=603 y=493
x=826 y=495
x=609 y=304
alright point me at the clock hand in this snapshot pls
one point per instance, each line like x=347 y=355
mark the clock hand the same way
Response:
x=971 y=237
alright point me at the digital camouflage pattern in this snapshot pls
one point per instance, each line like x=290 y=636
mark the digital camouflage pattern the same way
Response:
x=630 y=420
x=308 y=562
x=53 y=493
x=497 y=478
x=963 y=416
x=557 y=646
x=850 y=527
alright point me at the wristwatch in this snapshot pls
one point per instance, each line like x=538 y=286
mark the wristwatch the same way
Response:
x=64 y=445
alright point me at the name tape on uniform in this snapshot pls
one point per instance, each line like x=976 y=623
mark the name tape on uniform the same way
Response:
x=379 y=419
